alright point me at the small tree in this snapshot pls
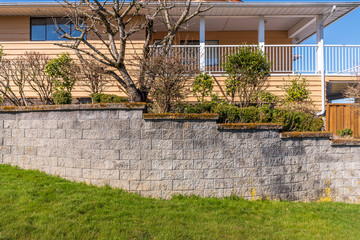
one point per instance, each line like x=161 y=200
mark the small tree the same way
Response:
x=65 y=73
x=171 y=81
x=248 y=71
x=202 y=86
x=296 y=90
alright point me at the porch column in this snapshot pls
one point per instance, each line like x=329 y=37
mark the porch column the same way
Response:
x=261 y=33
x=202 y=44
x=320 y=58
x=320 y=43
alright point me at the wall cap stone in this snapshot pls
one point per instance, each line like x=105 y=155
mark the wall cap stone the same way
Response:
x=345 y=142
x=74 y=107
x=180 y=116
x=306 y=134
x=250 y=126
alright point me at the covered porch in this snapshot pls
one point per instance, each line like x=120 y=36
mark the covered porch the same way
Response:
x=278 y=29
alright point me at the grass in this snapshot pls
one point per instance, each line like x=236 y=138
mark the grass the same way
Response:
x=34 y=205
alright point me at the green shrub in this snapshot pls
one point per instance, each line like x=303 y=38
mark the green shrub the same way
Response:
x=64 y=71
x=107 y=98
x=247 y=70
x=297 y=121
x=227 y=113
x=62 y=97
x=296 y=90
x=346 y=132
x=264 y=97
x=202 y=86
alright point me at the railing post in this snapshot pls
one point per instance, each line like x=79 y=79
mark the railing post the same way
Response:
x=202 y=45
x=261 y=33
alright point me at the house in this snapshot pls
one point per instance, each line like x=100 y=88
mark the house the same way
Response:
x=278 y=28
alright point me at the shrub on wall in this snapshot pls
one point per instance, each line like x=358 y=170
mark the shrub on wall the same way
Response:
x=62 y=97
x=107 y=98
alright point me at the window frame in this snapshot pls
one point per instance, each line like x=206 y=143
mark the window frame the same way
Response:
x=46 y=20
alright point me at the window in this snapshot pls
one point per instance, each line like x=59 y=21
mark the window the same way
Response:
x=44 y=29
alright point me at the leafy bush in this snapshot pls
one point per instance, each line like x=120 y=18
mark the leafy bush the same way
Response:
x=64 y=71
x=202 y=86
x=346 y=132
x=107 y=98
x=296 y=90
x=264 y=97
x=62 y=97
x=298 y=121
x=248 y=71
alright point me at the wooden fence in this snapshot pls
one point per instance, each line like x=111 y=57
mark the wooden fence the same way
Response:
x=340 y=116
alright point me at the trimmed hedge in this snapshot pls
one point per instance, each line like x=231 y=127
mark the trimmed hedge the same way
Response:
x=230 y=113
x=107 y=98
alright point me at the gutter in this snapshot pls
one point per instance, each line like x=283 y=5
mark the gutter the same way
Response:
x=215 y=4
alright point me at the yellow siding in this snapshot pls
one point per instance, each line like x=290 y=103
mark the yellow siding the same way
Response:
x=14 y=28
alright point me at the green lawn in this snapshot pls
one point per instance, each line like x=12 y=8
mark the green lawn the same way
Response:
x=34 y=205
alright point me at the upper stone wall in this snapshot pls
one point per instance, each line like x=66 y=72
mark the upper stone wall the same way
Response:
x=115 y=145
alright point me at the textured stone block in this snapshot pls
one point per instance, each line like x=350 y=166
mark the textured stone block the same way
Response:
x=129 y=155
x=151 y=175
x=161 y=144
x=73 y=134
x=140 y=164
x=130 y=175
x=172 y=155
x=161 y=164
x=172 y=133
x=109 y=174
x=139 y=185
x=154 y=154
x=183 y=164
x=17 y=133
x=122 y=184
x=91 y=173
x=150 y=134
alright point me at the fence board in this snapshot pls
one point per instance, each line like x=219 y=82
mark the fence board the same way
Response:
x=340 y=116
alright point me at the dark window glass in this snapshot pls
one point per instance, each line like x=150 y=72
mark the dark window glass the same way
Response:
x=38 y=29
x=44 y=29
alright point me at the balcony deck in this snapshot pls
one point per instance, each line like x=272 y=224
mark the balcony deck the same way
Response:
x=285 y=59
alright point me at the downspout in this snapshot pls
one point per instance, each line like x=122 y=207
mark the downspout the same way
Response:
x=323 y=97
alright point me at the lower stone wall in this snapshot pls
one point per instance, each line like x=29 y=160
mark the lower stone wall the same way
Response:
x=163 y=157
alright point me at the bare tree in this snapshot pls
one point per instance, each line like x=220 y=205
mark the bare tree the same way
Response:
x=39 y=81
x=113 y=23
x=170 y=80
x=93 y=76
x=14 y=71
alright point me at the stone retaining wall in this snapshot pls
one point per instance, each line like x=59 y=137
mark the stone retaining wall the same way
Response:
x=161 y=156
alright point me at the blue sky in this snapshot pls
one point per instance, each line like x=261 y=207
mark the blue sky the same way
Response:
x=344 y=31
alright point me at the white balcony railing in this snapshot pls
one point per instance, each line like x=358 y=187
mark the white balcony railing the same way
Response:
x=285 y=59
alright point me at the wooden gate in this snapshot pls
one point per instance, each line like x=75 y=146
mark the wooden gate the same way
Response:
x=340 y=116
